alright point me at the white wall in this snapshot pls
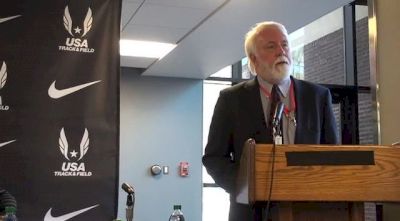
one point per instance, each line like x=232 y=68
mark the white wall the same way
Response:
x=161 y=123
x=388 y=79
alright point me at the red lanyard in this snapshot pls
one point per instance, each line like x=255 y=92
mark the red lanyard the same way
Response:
x=291 y=97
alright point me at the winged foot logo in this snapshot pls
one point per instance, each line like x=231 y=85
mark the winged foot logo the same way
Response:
x=76 y=42
x=3 y=79
x=73 y=166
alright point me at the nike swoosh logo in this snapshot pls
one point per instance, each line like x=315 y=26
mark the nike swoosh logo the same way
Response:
x=67 y=216
x=8 y=18
x=5 y=143
x=55 y=93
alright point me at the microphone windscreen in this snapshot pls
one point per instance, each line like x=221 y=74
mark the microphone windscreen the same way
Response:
x=128 y=188
x=278 y=114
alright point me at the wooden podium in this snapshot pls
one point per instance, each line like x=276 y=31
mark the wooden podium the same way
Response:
x=318 y=182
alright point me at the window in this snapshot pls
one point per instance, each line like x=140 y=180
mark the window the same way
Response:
x=225 y=72
x=317 y=49
x=215 y=199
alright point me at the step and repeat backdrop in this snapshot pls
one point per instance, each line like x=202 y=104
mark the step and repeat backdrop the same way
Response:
x=59 y=107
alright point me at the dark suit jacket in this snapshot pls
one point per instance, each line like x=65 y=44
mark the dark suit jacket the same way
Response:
x=238 y=116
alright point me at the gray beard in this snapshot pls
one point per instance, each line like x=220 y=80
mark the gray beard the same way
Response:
x=280 y=73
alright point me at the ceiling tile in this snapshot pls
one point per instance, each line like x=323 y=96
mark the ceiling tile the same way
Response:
x=136 y=62
x=152 y=33
x=166 y=16
x=203 y=4
x=128 y=8
x=136 y=1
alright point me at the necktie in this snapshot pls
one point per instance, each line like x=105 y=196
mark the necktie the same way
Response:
x=275 y=99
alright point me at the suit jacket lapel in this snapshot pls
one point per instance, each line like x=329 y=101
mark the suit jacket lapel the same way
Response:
x=299 y=98
x=255 y=110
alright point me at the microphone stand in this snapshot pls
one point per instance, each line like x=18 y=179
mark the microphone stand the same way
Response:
x=276 y=139
x=129 y=206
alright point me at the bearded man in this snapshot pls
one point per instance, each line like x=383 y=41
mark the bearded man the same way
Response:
x=244 y=111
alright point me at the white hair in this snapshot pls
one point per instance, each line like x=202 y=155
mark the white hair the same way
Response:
x=250 y=38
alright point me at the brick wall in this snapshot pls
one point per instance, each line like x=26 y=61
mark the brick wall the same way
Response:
x=324 y=63
x=323 y=59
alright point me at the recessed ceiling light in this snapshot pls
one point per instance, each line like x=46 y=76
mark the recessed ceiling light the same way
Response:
x=147 y=49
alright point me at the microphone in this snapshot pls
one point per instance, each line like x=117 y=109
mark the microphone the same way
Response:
x=277 y=114
x=130 y=200
x=128 y=188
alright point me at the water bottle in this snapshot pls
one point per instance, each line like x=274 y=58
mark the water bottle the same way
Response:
x=10 y=214
x=177 y=215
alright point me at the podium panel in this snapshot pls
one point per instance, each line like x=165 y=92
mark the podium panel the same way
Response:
x=318 y=179
x=318 y=211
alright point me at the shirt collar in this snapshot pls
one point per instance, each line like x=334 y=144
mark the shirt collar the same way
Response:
x=283 y=86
